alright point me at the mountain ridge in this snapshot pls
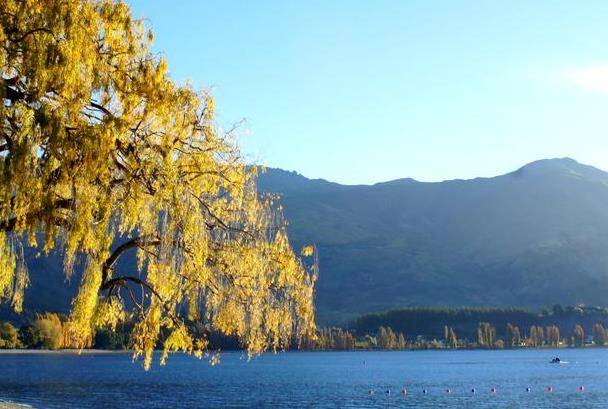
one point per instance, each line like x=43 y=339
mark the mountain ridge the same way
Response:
x=532 y=237
x=409 y=243
x=555 y=163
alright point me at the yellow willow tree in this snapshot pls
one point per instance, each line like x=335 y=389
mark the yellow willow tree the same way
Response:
x=102 y=154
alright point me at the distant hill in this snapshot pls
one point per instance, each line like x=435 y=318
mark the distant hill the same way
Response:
x=430 y=322
x=533 y=237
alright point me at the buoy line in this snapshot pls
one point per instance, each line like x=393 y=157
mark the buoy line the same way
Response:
x=450 y=391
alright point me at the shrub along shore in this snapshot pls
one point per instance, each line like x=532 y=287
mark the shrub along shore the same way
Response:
x=472 y=328
x=412 y=328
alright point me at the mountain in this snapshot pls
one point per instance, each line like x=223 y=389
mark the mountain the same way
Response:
x=533 y=237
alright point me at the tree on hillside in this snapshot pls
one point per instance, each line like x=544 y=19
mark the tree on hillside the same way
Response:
x=101 y=153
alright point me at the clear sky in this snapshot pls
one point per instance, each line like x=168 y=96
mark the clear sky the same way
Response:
x=368 y=91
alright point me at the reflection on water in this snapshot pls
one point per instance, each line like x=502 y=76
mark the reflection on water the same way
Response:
x=315 y=379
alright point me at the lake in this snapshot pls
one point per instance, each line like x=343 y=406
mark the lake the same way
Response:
x=311 y=380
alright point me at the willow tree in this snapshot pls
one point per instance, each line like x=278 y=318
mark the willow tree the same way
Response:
x=102 y=154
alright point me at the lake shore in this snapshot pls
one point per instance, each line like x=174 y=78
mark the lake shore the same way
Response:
x=60 y=352
x=12 y=405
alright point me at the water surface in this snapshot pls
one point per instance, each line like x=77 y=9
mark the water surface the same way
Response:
x=312 y=380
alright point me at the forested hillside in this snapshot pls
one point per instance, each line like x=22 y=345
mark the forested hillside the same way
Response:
x=531 y=238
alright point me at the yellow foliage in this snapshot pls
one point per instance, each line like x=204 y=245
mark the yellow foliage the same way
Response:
x=97 y=143
x=307 y=251
x=13 y=274
x=50 y=330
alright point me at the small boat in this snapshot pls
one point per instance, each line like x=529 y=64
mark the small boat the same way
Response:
x=556 y=360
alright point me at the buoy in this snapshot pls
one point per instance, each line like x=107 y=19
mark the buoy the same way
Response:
x=388 y=391
x=549 y=388
x=528 y=389
x=448 y=391
x=473 y=390
x=404 y=391
x=493 y=390
x=581 y=388
x=424 y=391
x=371 y=392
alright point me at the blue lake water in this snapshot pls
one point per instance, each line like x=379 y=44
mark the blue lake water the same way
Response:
x=312 y=380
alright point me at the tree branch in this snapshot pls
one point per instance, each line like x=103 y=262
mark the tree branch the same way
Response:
x=123 y=280
x=10 y=224
x=111 y=261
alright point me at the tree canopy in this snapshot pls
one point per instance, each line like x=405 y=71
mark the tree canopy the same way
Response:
x=103 y=153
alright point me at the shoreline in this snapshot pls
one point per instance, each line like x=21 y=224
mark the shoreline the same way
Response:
x=12 y=405
x=25 y=351
x=60 y=352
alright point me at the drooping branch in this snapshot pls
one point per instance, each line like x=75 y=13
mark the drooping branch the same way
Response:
x=24 y=35
x=10 y=224
x=111 y=261
x=122 y=282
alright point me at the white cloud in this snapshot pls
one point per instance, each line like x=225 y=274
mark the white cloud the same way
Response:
x=594 y=78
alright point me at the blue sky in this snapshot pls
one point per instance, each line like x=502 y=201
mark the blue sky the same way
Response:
x=368 y=91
